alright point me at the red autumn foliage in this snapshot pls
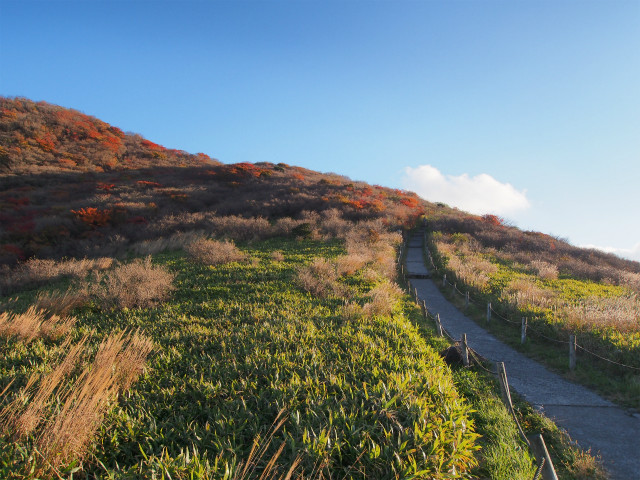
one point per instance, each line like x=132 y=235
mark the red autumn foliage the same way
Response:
x=93 y=217
x=39 y=136
x=146 y=183
x=105 y=186
x=493 y=220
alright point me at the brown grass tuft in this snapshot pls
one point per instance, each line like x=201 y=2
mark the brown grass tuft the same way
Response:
x=33 y=324
x=68 y=433
x=213 y=252
x=61 y=303
x=135 y=284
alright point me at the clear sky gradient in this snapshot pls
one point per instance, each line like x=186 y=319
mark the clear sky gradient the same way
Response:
x=529 y=109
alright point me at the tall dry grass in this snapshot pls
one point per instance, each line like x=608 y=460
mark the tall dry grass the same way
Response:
x=36 y=272
x=136 y=284
x=63 y=415
x=61 y=303
x=34 y=323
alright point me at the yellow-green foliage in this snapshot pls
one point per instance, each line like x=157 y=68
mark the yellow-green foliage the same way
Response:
x=239 y=343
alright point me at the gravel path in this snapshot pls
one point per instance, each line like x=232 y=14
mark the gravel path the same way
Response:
x=592 y=421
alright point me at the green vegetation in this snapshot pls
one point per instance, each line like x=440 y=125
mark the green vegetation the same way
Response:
x=236 y=345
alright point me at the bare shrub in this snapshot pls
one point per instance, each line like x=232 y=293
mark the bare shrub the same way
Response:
x=384 y=298
x=239 y=228
x=213 y=252
x=630 y=280
x=277 y=256
x=320 y=278
x=34 y=324
x=135 y=284
x=332 y=224
x=545 y=270
x=351 y=263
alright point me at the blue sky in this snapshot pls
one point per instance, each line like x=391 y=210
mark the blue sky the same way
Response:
x=529 y=109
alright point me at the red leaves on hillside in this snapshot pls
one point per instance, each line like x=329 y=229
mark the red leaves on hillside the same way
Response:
x=493 y=220
x=93 y=217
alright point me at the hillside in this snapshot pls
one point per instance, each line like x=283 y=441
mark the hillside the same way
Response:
x=251 y=313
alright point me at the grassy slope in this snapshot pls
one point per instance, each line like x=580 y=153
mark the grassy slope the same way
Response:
x=237 y=344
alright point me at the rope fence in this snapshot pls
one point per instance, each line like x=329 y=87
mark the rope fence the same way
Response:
x=491 y=312
x=535 y=443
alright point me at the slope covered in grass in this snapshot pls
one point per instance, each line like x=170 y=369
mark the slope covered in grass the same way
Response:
x=238 y=345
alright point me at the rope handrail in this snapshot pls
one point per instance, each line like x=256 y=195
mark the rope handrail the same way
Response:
x=529 y=328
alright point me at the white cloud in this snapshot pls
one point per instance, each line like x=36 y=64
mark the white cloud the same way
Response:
x=632 y=253
x=480 y=194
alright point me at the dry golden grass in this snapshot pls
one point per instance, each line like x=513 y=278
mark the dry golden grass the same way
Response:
x=522 y=291
x=34 y=324
x=118 y=363
x=471 y=268
x=40 y=271
x=61 y=303
x=213 y=252
x=22 y=423
x=621 y=313
x=67 y=433
x=135 y=284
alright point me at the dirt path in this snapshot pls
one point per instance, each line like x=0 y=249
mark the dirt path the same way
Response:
x=591 y=420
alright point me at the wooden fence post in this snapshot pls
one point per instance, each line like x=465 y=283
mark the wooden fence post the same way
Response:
x=453 y=288
x=465 y=350
x=488 y=312
x=542 y=457
x=523 y=332
x=423 y=306
x=466 y=300
x=572 y=352
x=444 y=280
x=439 y=325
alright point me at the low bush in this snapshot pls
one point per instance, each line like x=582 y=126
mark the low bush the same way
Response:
x=214 y=252
x=320 y=278
x=135 y=284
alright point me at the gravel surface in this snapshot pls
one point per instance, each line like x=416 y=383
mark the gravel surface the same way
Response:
x=595 y=423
